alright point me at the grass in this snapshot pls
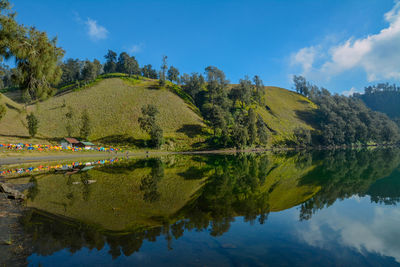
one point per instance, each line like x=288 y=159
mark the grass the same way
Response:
x=114 y=106
x=114 y=103
x=285 y=111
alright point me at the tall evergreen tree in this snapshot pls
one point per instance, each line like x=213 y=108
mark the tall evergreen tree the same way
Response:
x=33 y=124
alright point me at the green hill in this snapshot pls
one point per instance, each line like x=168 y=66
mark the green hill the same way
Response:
x=114 y=106
x=284 y=112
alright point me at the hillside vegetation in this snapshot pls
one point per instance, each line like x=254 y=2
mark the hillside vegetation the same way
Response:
x=114 y=106
x=283 y=113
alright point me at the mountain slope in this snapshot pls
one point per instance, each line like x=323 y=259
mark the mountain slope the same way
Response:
x=114 y=106
x=285 y=111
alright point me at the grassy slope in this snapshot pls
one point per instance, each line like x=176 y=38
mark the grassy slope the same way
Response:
x=114 y=106
x=12 y=125
x=286 y=109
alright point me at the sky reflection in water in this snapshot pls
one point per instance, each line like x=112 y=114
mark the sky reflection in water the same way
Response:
x=325 y=208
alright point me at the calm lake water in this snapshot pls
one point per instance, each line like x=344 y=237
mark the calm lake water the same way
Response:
x=324 y=208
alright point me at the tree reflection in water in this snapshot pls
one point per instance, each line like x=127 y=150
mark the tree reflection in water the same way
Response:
x=248 y=185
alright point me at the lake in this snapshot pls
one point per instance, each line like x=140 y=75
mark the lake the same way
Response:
x=323 y=208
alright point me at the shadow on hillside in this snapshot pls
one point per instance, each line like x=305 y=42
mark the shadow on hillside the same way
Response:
x=12 y=107
x=191 y=130
x=303 y=102
x=194 y=173
x=28 y=137
x=310 y=117
x=120 y=139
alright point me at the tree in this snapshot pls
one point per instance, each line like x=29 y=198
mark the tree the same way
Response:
x=216 y=116
x=37 y=58
x=300 y=84
x=5 y=76
x=173 y=74
x=127 y=64
x=216 y=104
x=148 y=119
x=132 y=66
x=89 y=71
x=149 y=124
x=252 y=126
x=156 y=136
x=259 y=90
x=33 y=124
x=111 y=62
x=192 y=84
x=163 y=72
x=242 y=92
x=302 y=136
x=71 y=69
x=2 y=110
x=69 y=117
x=149 y=72
x=86 y=126
x=240 y=136
x=262 y=131
x=98 y=67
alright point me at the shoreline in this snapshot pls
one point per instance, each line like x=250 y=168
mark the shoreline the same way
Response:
x=5 y=160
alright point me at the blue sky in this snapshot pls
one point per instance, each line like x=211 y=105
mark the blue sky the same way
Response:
x=342 y=45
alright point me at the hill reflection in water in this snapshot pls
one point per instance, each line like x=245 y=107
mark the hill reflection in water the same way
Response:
x=249 y=208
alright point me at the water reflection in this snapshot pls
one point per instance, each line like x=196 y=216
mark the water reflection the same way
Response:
x=345 y=199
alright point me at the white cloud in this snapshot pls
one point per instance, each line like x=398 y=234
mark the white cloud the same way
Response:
x=377 y=54
x=377 y=233
x=137 y=48
x=350 y=92
x=96 y=31
x=305 y=58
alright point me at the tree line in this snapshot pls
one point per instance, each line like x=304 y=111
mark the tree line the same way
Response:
x=383 y=97
x=344 y=120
